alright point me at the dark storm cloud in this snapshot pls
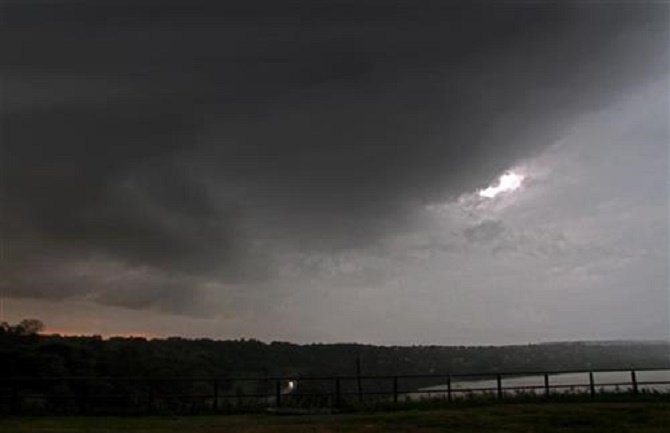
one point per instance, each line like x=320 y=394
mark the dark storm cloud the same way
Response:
x=175 y=134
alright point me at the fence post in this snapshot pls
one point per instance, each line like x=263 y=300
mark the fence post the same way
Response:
x=278 y=393
x=395 y=389
x=83 y=397
x=633 y=379
x=215 y=401
x=151 y=396
x=449 y=387
x=358 y=379
x=16 y=398
x=499 y=383
x=592 y=385
x=546 y=384
x=338 y=393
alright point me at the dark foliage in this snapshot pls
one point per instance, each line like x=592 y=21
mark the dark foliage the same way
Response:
x=23 y=352
x=137 y=369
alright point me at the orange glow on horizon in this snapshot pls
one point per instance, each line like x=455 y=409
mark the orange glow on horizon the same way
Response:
x=65 y=332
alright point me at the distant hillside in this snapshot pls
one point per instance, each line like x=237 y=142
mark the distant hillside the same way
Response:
x=28 y=354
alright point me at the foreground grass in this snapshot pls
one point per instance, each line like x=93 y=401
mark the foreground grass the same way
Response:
x=645 y=417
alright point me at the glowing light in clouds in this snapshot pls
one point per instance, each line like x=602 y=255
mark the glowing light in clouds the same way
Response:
x=507 y=182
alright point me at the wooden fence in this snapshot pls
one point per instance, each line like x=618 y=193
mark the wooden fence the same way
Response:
x=132 y=395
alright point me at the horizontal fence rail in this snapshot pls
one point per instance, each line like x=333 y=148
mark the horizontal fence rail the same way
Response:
x=142 y=395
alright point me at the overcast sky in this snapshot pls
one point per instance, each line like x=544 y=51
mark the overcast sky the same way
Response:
x=313 y=171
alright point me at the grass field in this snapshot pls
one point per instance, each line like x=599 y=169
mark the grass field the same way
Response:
x=538 y=417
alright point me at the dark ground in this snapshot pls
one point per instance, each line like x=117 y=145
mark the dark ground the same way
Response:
x=509 y=417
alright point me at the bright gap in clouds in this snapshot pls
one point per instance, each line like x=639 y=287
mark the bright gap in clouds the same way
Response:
x=507 y=182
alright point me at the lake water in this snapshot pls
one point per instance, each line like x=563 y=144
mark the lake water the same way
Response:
x=616 y=381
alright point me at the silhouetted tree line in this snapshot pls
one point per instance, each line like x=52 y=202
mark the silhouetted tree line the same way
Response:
x=24 y=352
